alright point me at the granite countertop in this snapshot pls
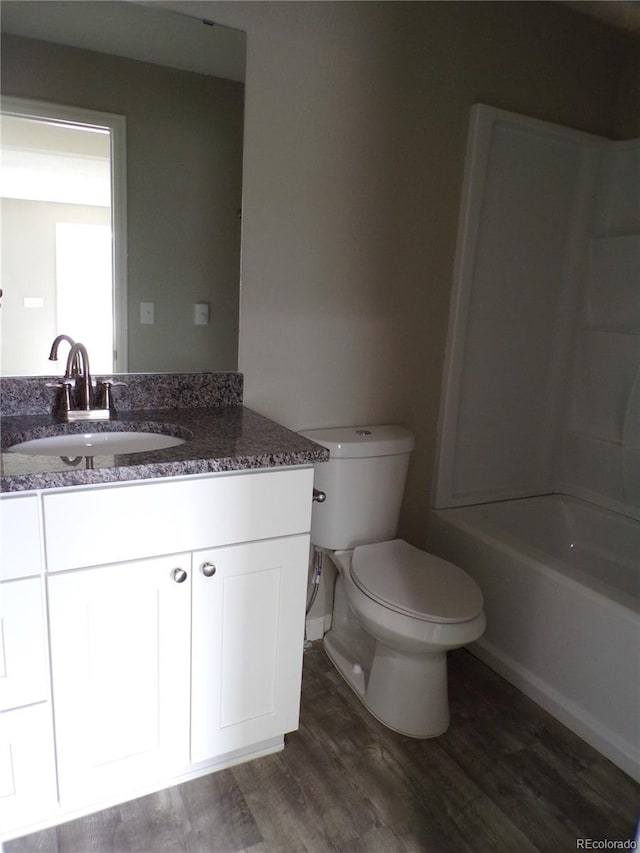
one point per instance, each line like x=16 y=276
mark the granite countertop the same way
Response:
x=218 y=438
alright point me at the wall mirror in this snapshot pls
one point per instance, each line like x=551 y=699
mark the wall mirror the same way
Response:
x=176 y=84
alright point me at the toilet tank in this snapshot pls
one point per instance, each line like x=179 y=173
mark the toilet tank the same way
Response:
x=364 y=483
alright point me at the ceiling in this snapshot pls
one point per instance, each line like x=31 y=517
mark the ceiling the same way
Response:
x=155 y=32
x=623 y=14
x=204 y=49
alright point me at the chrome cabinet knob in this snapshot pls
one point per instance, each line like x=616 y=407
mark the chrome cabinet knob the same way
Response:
x=179 y=575
x=208 y=570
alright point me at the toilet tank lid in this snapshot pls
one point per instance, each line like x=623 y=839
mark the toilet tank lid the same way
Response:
x=362 y=441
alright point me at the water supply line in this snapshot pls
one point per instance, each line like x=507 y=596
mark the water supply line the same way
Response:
x=315 y=580
x=315 y=584
x=318 y=497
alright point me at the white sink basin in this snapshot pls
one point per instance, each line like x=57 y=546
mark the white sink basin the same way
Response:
x=96 y=444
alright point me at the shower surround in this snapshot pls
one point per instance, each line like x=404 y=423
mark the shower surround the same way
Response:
x=541 y=396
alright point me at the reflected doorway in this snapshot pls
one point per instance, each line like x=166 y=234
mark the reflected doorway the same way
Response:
x=63 y=256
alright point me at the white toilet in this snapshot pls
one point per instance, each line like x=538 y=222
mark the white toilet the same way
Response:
x=397 y=610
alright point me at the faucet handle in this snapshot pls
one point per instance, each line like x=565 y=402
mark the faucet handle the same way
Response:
x=105 y=397
x=64 y=403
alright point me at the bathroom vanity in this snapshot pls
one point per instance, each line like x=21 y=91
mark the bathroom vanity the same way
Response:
x=153 y=610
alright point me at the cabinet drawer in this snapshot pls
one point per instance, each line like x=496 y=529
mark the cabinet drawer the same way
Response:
x=23 y=678
x=20 y=552
x=141 y=520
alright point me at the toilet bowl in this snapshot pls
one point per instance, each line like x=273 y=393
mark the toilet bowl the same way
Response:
x=397 y=610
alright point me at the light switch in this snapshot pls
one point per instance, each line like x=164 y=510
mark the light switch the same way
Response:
x=33 y=302
x=201 y=314
x=146 y=312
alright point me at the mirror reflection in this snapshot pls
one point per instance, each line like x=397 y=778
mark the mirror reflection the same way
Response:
x=58 y=217
x=180 y=224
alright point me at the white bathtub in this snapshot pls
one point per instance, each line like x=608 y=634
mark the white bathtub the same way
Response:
x=561 y=581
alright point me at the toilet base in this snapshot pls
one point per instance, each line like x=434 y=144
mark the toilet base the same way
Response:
x=407 y=693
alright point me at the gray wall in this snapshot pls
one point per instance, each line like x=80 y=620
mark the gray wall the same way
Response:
x=184 y=164
x=356 y=123
x=355 y=132
x=626 y=113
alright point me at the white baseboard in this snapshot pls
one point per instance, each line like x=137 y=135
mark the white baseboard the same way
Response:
x=622 y=753
x=56 y=814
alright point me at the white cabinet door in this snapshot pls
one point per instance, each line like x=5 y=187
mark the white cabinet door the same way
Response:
x=23 y=654
x=248 y=632
x=120 y=662
x=27 y=767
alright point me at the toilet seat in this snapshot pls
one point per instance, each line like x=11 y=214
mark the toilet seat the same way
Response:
x=415 y=583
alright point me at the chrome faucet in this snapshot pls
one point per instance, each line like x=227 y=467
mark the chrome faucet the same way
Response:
x=77 y=385
x=78 y=366
x=53 y=355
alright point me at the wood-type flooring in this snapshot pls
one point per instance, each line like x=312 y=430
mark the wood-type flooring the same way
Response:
x=505 y=778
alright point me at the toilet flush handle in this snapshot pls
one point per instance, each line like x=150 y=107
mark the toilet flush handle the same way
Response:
x=319 y=496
